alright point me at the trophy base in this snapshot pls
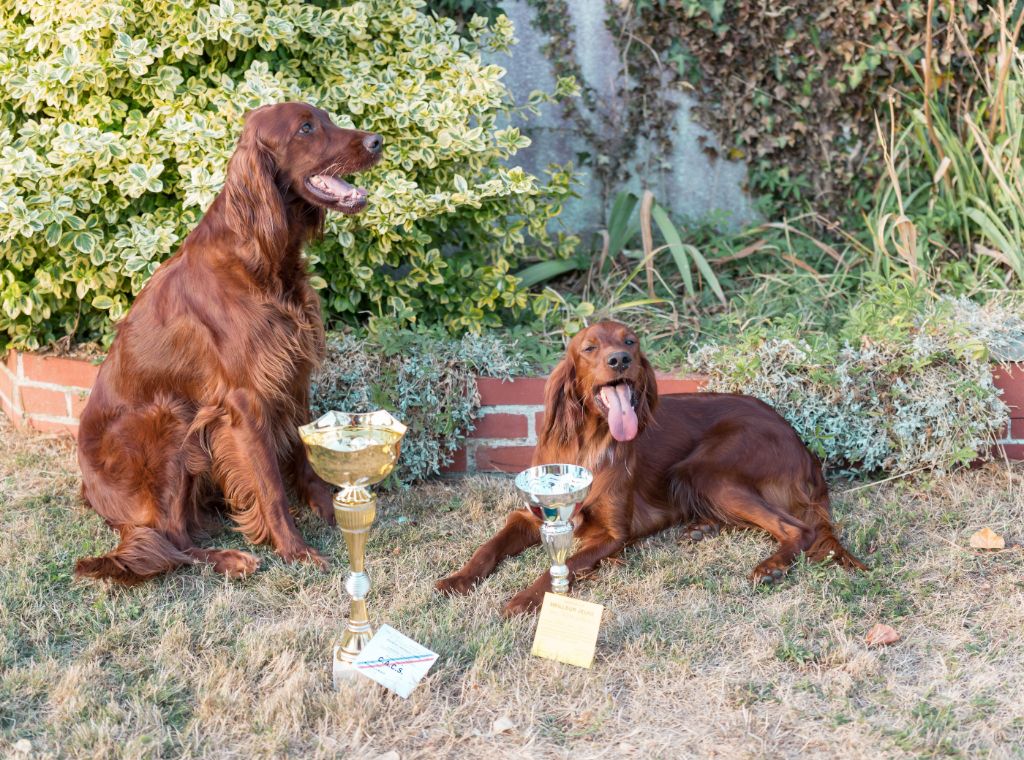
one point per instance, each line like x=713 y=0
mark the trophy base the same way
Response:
x=559 y=579
x=344 y=673
x=347 y=651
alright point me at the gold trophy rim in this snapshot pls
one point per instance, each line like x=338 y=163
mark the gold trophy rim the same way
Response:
x=315 y=433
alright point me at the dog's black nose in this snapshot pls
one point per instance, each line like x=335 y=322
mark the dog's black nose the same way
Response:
x=373 y=143
x=619 y=360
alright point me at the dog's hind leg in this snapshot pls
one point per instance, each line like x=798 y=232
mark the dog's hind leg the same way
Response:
x=133 y=475
x=737 y=504
x=142 y=554
x=229 y=562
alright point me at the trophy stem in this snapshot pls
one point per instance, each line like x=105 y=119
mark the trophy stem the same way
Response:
x=355 y=509
x=557 y=540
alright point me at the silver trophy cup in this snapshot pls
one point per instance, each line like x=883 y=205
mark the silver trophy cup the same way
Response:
x=555 y=492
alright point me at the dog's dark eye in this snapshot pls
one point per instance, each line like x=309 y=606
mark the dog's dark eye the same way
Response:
x=630 y=342
x=588 y=349
x=306 y=128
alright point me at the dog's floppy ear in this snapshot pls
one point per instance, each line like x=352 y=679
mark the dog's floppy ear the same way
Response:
x=647 y=393
x=254 y=206
x=563 y=408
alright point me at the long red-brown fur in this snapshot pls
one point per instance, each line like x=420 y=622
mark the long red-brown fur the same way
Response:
x=705 y=460
x=198 y=402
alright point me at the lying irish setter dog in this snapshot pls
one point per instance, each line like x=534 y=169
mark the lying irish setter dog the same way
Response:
x=706 y=460
x=197 y=404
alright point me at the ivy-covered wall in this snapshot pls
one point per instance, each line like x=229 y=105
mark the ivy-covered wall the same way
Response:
x=608 y=132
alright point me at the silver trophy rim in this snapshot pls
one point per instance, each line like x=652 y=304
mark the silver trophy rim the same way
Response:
x=575 y=470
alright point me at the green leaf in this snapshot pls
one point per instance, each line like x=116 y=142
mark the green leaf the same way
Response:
x=546 y=270
x=620 y=229
x=705 y=269
x=53 y=234
x=675 y=246
x=84 y=242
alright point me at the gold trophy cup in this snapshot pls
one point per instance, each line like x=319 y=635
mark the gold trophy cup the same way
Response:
x=353 y=451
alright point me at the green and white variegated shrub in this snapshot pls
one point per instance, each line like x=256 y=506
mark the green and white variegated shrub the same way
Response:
x=426 y=379
x=117 y=118
x=906 y=385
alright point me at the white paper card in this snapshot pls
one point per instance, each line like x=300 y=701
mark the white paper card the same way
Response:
x=395 y=661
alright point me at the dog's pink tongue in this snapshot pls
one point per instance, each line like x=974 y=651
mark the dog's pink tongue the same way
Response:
x=621 y=417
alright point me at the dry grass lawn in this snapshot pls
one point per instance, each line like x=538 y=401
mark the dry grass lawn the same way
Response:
x=692 y=661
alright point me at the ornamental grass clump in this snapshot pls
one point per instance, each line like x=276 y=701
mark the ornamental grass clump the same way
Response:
x=901 y=389
x=117 y=118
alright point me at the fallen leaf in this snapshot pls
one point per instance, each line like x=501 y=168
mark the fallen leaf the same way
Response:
x=501 y=725
x=987 y=539
x=881 y=635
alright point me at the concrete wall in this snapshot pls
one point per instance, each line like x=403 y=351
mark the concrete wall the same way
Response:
x=688 y=181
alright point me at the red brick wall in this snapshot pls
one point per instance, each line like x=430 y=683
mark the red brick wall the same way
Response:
x=511 y=414
x=1011 y=380
x=48 y=393
x=45 y=393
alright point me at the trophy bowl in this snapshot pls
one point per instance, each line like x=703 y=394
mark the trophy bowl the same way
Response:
x=353 y=451
x=350 y=449
x=555 y=493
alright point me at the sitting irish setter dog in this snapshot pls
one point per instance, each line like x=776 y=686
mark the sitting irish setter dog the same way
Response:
x=198 y=401
x=707 y=460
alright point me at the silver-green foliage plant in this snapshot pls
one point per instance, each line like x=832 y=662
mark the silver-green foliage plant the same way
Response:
x=427 y=380
x=117 y=118
x=903 y=388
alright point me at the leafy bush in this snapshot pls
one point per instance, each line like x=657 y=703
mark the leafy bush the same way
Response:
x=426 y=379
x=906 y=384
x=117 y=118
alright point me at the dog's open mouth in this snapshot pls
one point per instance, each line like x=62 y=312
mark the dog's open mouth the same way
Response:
x=335 y=193
x=617 y=401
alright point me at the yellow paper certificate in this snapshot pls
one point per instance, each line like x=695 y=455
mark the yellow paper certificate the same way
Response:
x=567 y=630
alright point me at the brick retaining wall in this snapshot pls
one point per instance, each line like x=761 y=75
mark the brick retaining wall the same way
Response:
x=47 y=393
x=511 y=414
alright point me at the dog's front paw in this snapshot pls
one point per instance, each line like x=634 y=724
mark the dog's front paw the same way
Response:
x=320 y=501
x=455 y=585
x=771 y=571
x=699 y=531
x=304 y=554
x=524 y=603
x=233 y=563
